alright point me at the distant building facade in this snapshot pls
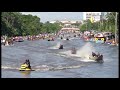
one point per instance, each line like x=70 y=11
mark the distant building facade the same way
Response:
x=66 y=22
x=103 y=15
x=96 y=16
x=69 y=25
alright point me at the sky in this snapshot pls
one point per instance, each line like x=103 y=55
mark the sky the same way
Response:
x=51 y=16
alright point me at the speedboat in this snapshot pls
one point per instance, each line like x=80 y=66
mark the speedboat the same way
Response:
x=24 y=67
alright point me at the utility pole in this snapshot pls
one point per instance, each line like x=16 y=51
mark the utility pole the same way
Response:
x=100 y=25
x=116 y=27
x=86 y=24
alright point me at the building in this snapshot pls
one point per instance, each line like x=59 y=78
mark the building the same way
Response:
x=52 y=21
x=96 y=16
x=69 y=26
x=66 y=22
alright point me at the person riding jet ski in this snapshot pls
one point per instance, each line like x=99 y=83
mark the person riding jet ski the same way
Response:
x=28 y=63
x=73 y=51
x=67 y=38
x=61 y=46
x=93 y=54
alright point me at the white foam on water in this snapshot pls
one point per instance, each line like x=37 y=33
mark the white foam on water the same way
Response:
x=83 y=52
x=64 y=38
x=56 y=46
x=68 y=54
x=47 y=68
x=42 y=68
x=67 y=67
x=87 y=60
x=9 y=67
x=86 y=50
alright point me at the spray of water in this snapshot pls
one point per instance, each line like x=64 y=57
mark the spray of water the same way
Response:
x=56 y=46
x=83 y=52
x=86 y=50
x=68 y=54
x=9 y=67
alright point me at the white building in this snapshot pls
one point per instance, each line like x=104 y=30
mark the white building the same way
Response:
x=103 y=15
x=52 y=21
x=67 y=21
x=95 y=15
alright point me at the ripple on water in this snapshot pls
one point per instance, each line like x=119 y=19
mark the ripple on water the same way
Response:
x=58 y=63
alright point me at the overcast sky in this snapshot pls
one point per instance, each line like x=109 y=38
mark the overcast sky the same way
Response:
x=51 y=16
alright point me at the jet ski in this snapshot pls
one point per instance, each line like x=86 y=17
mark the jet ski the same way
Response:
x=73 y=51
x=24 y=67
x=61 y=47
x=97 y=58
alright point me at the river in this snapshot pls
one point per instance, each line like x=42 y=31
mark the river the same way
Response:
x=51 y=62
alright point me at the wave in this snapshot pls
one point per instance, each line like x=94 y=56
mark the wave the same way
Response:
x=67 y=67
x=46 y=68
x=49 y=68
x=83 y=52
x=9 y=67
x=87 y=60
x=56 y=46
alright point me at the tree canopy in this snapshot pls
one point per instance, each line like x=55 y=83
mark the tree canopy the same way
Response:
x=107 y=24
x=16 y=24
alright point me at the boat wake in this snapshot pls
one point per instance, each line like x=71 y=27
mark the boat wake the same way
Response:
x=9 y=67
x=50 y=68
x=86 y=50
x=45 y=67
x=68 y=54
x=82 y=53
x=87 y=60
x=55 y=47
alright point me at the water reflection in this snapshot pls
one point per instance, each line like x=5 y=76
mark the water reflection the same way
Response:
x=25 y=74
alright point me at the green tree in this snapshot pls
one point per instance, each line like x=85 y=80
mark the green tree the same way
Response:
x=10 y=23
x=51 y=28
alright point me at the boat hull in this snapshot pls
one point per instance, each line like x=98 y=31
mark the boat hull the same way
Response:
x=27 y=69
x=24 y=67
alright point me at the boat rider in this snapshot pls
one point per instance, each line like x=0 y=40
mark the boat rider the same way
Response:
x=27 y=62
x=61 y=46
x=67 y=38
x=93 y=54
x=98 y=54
x=73 y=50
